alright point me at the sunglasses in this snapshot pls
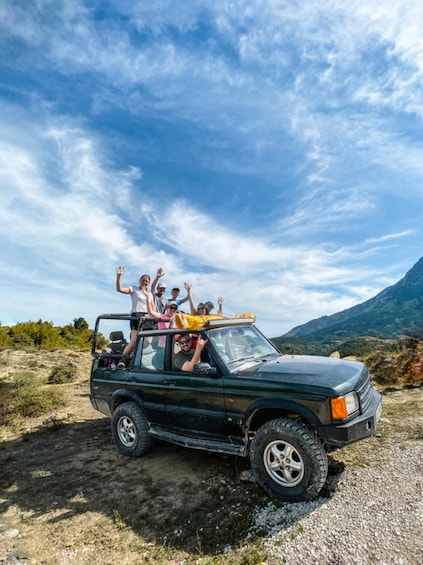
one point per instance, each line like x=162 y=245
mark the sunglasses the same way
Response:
x=184 y=341
x=172 y=307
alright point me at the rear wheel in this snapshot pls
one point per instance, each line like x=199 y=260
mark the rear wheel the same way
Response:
x=289 y=460
x=130 y=430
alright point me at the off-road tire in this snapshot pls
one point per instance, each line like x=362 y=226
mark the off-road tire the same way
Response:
x=130 y=430
x=289 y=461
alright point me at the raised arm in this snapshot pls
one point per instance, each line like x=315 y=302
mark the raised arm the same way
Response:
x=185 y=299
x=220 y=302
x=123 y=289
x=160 y=273
x=151 y=308
x=190 y=298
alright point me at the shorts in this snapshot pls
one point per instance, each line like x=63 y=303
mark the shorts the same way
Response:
x=148 y=324
x=136 y=319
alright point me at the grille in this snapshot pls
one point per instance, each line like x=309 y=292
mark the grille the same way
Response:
x=364 y=391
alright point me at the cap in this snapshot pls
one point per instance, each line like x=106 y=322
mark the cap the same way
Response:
x=172 y=303
x=161 y=285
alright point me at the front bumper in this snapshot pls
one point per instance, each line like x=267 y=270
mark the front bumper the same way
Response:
x=364 y=425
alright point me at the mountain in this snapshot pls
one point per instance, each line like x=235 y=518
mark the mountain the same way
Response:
x=396 y=310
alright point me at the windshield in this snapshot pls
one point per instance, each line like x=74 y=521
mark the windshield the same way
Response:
x=238 y=346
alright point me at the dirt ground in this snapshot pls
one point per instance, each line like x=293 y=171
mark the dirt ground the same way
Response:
x=68 y=496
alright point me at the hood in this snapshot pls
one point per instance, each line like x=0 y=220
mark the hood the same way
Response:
x=304 y=371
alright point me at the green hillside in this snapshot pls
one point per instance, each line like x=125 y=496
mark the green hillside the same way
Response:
x=395 y=311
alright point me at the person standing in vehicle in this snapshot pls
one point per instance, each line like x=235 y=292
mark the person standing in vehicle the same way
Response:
x=210 y=306
x=160 y=301
x=139 y=299
x=175 y=296
x=165 y=320
x=203 y=308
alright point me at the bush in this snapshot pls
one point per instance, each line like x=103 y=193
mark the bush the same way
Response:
x=35 y=401
x=63 y=373
x=383 y=369
x=4 y=337
x=29 y=399
x=414 y=377
x=26 y=397
x=7 y=417
x=44 y=335
x=404 y=368
x=25 y=379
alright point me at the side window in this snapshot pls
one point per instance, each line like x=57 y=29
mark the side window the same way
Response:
x=182 y=354
x=150 y=354
x=175 y=350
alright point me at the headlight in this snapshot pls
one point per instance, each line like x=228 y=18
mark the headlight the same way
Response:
x=343 y=406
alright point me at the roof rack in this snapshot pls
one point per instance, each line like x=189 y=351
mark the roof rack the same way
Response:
x=224 y=322
x=199 y=322
x=123 y=316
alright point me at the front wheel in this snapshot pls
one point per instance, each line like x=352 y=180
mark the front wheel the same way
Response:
x=289 y=460
x=130 y=430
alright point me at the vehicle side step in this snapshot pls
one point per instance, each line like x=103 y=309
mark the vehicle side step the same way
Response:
x=198 y=443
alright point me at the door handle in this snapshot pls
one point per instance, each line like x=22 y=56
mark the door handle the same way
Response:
x=169 y=382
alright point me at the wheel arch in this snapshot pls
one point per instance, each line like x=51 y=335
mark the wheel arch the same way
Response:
x=122 y=395
x=263 y=411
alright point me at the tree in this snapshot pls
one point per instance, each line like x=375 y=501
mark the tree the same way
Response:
x=80 y=324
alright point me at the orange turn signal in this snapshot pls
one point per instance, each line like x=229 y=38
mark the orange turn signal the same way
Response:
x=339 y=408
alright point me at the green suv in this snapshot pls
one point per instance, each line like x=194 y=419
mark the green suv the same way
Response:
x=243 y=398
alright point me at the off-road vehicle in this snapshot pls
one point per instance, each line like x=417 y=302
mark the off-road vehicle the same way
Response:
x=244 y=398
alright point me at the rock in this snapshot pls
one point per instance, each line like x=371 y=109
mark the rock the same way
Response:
x=335 y=355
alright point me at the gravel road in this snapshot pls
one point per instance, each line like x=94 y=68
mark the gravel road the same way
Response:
x=374 y=516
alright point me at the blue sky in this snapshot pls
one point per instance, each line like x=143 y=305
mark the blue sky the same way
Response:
x=270 y=152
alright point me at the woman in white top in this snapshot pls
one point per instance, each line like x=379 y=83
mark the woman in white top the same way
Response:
x=139 y=298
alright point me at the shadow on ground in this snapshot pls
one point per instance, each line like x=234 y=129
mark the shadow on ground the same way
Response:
x=191 y=500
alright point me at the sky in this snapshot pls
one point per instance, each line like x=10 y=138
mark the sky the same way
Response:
x=269 y=152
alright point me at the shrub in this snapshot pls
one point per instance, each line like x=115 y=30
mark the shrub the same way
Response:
x=44 y=335
x=382 y=368
x=36 y=401
x=4 y=337
x=27 y=397
x=25 y=379
x=63 y=373
x=6 y=415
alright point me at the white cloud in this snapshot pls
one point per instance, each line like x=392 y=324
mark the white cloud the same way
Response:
x=329 y=82
x=389 y=236
x=202 y=238
x=74 y=229
x=71 y=209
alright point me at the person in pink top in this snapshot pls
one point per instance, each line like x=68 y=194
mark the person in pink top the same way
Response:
x=165 y=320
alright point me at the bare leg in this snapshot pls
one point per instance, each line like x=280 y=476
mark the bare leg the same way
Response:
x=129 y=348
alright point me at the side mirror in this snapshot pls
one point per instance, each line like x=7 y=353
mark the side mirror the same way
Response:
x=204 y=369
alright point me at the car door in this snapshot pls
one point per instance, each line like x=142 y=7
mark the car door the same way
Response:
x=195 y=404
x=146 y=378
